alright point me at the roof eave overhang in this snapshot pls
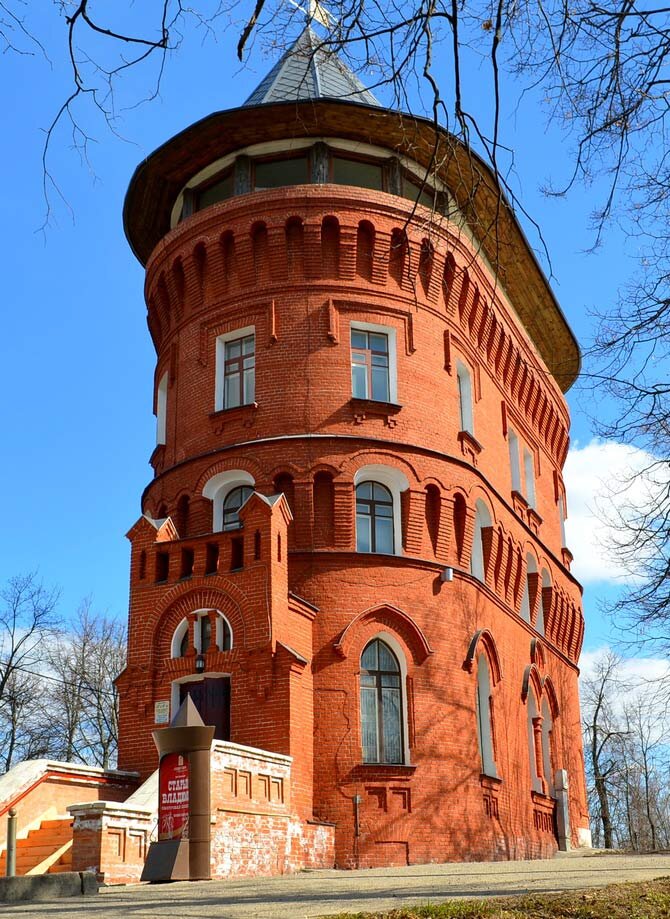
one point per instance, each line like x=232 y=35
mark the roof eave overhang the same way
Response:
x=160 y=177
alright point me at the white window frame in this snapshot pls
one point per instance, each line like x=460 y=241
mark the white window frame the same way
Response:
x=391 y=335
x=396 y=482
x=161 y=409
x=178 y=637
x=219 y=486
x=515 y=468
x=482 y=520
x=465 y=398
x=183 y=627
x=219 y=375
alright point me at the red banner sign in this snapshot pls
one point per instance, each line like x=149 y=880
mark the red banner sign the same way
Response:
x=173 y=797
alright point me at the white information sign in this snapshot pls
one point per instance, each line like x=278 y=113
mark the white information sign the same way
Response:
x=162 y=712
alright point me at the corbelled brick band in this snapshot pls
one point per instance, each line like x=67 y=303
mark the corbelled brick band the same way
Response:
x=480 y=577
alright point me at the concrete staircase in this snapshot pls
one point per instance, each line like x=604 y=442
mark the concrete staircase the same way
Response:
x=47 y=849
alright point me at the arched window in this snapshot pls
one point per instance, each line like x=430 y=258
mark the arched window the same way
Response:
x=533 y=714
x=202 y=634
x=374 y=518
x=180 y=640
x=219 y=489
x=485 y=718
x=224 y=634
x=547 y=727
x=482 y=520
x=232 y=504
x=381 y=705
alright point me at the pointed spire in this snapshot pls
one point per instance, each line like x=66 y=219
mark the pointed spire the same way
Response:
x=187 y=715
x=307 y=71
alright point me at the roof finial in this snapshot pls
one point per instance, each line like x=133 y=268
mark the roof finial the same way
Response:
x=315 y=12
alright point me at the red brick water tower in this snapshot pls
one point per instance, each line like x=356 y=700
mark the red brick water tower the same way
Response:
x=352 y=550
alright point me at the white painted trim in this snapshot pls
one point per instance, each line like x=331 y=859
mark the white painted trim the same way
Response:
x=219 y=486
x=396 y=481
x=482 y=519
x=177 y=637
x=220 y=360
x=391 y=334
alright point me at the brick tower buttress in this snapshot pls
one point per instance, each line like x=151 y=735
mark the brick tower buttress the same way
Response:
x=350 y=404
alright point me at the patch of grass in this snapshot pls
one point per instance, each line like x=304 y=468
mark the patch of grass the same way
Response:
x=640 y=900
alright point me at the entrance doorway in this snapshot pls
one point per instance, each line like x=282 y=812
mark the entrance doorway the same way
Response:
x=211 y=696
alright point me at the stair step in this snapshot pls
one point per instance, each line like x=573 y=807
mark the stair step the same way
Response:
x=56 y=822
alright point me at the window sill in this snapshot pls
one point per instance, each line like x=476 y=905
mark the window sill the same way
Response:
x=364 y=408
x=519 y=504
x=490 y=781
x=244 y=414
x=542 y=800
x=534 y=520
x=470 y=446
x=386 y=769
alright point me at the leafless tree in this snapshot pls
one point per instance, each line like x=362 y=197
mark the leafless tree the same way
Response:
x=84 y=662
x=601 y=69
x=27 y=620
x=602 y=739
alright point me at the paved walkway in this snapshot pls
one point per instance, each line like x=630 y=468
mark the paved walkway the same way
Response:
x=321 y=893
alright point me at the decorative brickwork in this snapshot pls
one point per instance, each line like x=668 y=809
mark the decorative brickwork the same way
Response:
x=294 y=267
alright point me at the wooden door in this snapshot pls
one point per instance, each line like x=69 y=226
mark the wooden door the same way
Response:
x=212 y=699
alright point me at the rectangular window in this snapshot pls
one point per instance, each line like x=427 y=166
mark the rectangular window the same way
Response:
x=370 y=378
x=357 y=172
x=465 y=398
x=277 y=173
x=411 y=188
x=235 y=369
x=219 y=190
x=513 y=444
x=529 y=473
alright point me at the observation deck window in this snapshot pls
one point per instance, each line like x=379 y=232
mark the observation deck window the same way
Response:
x=360 y=173
x=292 y=170
x=223 y=187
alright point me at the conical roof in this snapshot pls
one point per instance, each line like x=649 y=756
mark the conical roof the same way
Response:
x=309 y=71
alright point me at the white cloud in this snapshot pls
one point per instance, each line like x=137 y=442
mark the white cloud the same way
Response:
x=633 y=671
x=606 y=482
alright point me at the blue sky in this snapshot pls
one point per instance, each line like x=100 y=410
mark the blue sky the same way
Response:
x=76 y=360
